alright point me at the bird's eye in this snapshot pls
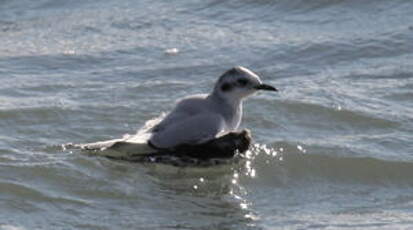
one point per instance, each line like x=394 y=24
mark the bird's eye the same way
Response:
x=242 y=82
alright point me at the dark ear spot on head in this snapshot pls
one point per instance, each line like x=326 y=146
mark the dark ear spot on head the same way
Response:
x=226 y=87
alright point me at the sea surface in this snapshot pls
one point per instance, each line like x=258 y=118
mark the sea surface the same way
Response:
x=332 y=150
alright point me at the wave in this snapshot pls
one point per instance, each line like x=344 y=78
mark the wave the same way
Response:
x=33 y=193
x=298 y=167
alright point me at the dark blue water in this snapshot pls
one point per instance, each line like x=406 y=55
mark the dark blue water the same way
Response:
x=333 y=150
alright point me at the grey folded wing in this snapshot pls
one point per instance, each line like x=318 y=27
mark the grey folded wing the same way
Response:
x=188 y=130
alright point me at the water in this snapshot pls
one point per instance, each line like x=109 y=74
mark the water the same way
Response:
x=333 y=149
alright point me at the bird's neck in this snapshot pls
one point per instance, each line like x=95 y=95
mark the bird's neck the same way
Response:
x=232 y=109
x=227 y=97
x=233 y=102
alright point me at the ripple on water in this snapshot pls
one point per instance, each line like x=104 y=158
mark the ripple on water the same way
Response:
x=286 y=163
x=312 y=120
x=78 y=71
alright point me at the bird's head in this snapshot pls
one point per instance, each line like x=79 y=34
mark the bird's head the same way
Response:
x=238 y=83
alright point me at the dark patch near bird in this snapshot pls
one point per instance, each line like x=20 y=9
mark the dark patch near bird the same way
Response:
x=226 y=87
x=210 y=153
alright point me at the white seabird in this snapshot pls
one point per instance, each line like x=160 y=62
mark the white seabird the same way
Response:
x=199 y=118
x=195 y=119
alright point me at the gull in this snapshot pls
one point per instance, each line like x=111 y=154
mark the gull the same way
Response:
x=200 y=118
x=196 y=119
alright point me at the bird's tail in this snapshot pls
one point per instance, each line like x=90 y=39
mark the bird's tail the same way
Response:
x=123 y=147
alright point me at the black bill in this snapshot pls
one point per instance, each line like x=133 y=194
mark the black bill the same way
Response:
x=265 y=87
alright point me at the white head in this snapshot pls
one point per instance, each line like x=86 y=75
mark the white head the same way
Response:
x=238 y=83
